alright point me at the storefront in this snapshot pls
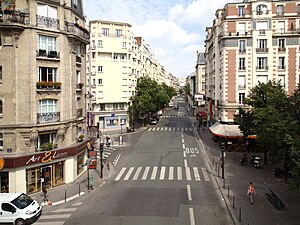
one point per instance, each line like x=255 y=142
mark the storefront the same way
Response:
x=31 y=173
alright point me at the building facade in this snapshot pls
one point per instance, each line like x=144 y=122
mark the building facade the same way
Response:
x=250 y=42
x=42 y=101
x=200 y=80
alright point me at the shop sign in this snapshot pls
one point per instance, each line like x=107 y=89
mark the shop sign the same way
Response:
x=47 y=157
x=1 y=163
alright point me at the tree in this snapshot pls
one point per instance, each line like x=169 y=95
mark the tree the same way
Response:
x=187 y=88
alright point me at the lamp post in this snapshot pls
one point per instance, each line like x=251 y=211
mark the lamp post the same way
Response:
x=101 y=159
x=222 y=158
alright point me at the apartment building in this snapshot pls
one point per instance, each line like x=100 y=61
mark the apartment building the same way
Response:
x=42 y=102
x=250 y=42
x=200 y=79
x=118 y=59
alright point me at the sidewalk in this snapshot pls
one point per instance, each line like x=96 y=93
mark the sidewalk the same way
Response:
x=234 y=188
x=67 y=192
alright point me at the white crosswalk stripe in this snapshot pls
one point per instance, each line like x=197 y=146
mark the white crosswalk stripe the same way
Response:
x=157 y=173
x=170 y=129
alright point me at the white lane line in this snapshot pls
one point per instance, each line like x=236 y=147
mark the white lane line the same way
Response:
x=205 y=174
x=120 y=173
x=189 y=192
x=182 y=140
x=185 y=162
x=183 y=146
x=188 y=173
x=144 y=177
x=77 y=204
x=196 y=172
x=154 y=171
x=170 y=128
x=179 y=173
x=192 y=218
x=184 y=154
x=65 y=210
x=58 y=216
x=136 y=175
x=49 y=223
x=166 y=128
x=128 y=173
x=117 y=159
x=181 y=135
x=150 y=129
x=162 y=173
x=190 y=129
x=171 y=173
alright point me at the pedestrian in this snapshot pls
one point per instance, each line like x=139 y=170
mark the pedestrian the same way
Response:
x=45 y=195
x=251 y=192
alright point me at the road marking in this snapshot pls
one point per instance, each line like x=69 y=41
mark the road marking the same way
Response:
x=136 y=175
x=183 y=146
x=66 y=210
x=49 y=223
x=192 y=218
x=185 y=162
x=128 y=173
x=181 y=135
x=162 y=173
x=120 y=173
x=179 y=173
x=189 y=192
x=77 y=204
x=58 y=216
x=184 y=154
x=117 y=159
x=188 y=173
x=154 y=171
x=166 y=128
x=205 y=174
x=146 y=173
x=190 y=129
x=171 y=173
x=150 y=129
x=182 y=140
x=196 y=172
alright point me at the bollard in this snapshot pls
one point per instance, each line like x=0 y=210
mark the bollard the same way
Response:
x=228 y=191
x=79 y=189
x=224 y=182
x=240 y=214
x=65 y=195
x=218 y=171
x=233 y=202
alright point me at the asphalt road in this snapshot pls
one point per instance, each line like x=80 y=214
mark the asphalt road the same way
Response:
x=162 y=178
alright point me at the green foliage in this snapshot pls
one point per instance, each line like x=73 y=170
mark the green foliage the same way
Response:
x=274 y=117
x=187 y=88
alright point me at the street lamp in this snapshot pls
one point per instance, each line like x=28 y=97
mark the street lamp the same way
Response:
x=222 y=158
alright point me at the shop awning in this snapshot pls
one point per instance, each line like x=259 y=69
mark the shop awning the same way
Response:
x=226 y=130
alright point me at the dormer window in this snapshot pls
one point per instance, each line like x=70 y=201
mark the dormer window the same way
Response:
x=241 y=11
x=280 y=10
x=261 y=9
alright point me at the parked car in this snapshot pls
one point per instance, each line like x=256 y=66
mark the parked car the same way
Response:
x=153 y=121
x=160 y=112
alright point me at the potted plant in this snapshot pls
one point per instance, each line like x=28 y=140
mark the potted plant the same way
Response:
x=41 y=84
x=50 y=84
x=81 y=137
x=57 y=85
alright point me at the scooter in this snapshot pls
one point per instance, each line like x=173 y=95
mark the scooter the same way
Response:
x=255 y=161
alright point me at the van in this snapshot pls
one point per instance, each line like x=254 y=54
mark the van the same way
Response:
x=18 y=209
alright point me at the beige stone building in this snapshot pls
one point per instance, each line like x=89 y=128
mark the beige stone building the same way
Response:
x=42 y=93
x=249 y=42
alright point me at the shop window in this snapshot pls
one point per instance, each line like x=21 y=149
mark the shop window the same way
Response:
x=112 y=122
x=58 y=171
x=4 y=185
x=1 y=141
x=80 y=162
x=33 y=182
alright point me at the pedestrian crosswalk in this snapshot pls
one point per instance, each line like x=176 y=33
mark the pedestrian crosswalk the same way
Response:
x=57 y=217
x=161 y=173
x=173 y=116
x=170 y=129
x=107 y=152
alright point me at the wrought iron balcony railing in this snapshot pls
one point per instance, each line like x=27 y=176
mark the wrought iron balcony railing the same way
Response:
x=47 y=22
x=47 y=54
x=50 y=117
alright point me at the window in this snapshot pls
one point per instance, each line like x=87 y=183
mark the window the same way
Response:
x=242 y=46
x=1 y=141
x=124 y=94
x=47 y=11
x=100 y=82
x=100 y=94
x=281 y=79
x=261 y=9
x=100 y=44
x=93 y=55
x=118 y=33
x=124 y=82
x=78 y=76
x=281 y=63
x=241 y=28
x=100 y=68
x=241 y=11
x=105 y=31
x=75 y=3
x=262 y=63
x=0 y=72
x=298 y=9
x=8 y=207
x=94 y=82
x=242 y=65
x=262 y=79
x=280 y=10
x=262 y=43
x=45 y=139
x=281 y=27
x=47 y=106
x=124 y=45
x=47 y=74
x=241 y=98
x=115 y=56
x=93 y=44
x=47 y=43
x=1 y=107
x=242 y=82
x=262 y=26
x=281 y=43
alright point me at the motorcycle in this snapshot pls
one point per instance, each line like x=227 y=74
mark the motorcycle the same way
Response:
x=243 y=159
x=255 y=161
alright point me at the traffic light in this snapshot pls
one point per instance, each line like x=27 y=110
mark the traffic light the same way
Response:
x=101 y=147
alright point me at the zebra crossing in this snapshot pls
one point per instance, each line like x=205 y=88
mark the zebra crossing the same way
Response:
x=161 y=173
x=57 y=217
x=107 y=152
x=169 y=129
x=173 y=116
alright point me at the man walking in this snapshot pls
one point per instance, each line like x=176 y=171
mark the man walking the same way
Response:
x=251 y=192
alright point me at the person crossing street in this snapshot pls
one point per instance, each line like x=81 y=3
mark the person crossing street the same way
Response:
x=251 y=192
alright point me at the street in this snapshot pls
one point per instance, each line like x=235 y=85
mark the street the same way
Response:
x=163 y=178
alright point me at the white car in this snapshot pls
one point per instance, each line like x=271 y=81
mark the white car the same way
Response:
x=18 y=208
x=160 y=113
x=153 y=121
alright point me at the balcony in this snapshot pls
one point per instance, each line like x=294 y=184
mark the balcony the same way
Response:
x=44 y=54
x=13 y=16
x=281 y=49
x=262 y=68
x=51 y=117
x=242 y=51
x=77 y=30
x=78 y=59
x=242 y=86
x=47 y=22
x=262 y=50
x=79 y=87
x=281 y=67
x=242 y=68
x=48 y=86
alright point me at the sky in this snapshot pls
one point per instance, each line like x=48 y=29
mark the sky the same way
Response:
x=174 y=29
